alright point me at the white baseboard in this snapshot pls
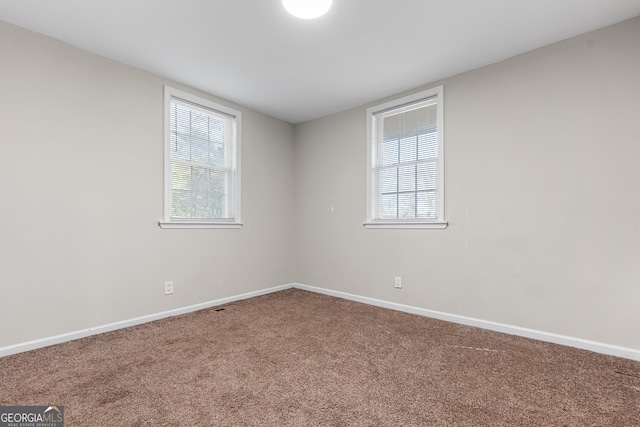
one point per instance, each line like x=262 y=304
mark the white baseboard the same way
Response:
x=70 y=336
x=612 y=350
x=597 y=347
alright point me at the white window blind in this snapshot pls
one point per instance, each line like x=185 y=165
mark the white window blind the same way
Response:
x=201 y=177
x=405 y=160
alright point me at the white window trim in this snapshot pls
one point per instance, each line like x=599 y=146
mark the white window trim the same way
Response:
x=167 y=222
x=440 y=222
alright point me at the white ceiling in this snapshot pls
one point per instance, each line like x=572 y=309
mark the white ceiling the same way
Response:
x=254 y=53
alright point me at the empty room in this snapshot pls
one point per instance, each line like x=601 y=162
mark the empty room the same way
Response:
x=320 y=212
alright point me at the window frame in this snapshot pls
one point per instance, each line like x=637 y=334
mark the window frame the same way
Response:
x=399 y=104
x=198 y=102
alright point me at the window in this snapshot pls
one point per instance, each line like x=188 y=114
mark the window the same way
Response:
x=405 y=179
x=202 y=167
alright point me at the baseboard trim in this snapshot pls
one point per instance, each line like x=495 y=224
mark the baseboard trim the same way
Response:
x=58 y=339
x=612 y=350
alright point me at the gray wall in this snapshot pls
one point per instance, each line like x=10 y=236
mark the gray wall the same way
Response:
x=81 y=191
x=542 y=197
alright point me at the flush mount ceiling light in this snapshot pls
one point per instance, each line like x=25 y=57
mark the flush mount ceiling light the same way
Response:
x=307 y=9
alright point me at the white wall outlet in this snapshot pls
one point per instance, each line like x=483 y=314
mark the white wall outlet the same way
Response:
x=168 y=288
x=398 y=282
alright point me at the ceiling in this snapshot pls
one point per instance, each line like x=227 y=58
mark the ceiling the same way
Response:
x=254 y=53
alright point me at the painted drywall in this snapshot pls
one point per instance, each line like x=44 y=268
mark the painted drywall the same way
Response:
x=542 y=197
x=81 y=191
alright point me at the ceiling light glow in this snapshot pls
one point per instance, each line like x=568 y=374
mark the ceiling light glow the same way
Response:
x=307 y=9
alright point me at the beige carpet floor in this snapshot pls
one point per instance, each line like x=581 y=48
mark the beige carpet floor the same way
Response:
x=295 y=358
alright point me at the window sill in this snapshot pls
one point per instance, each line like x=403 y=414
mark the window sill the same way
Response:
x=195 y=224
x=407 y=224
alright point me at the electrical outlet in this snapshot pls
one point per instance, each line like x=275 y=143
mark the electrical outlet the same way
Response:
x=168 y=288
x=398 y=282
